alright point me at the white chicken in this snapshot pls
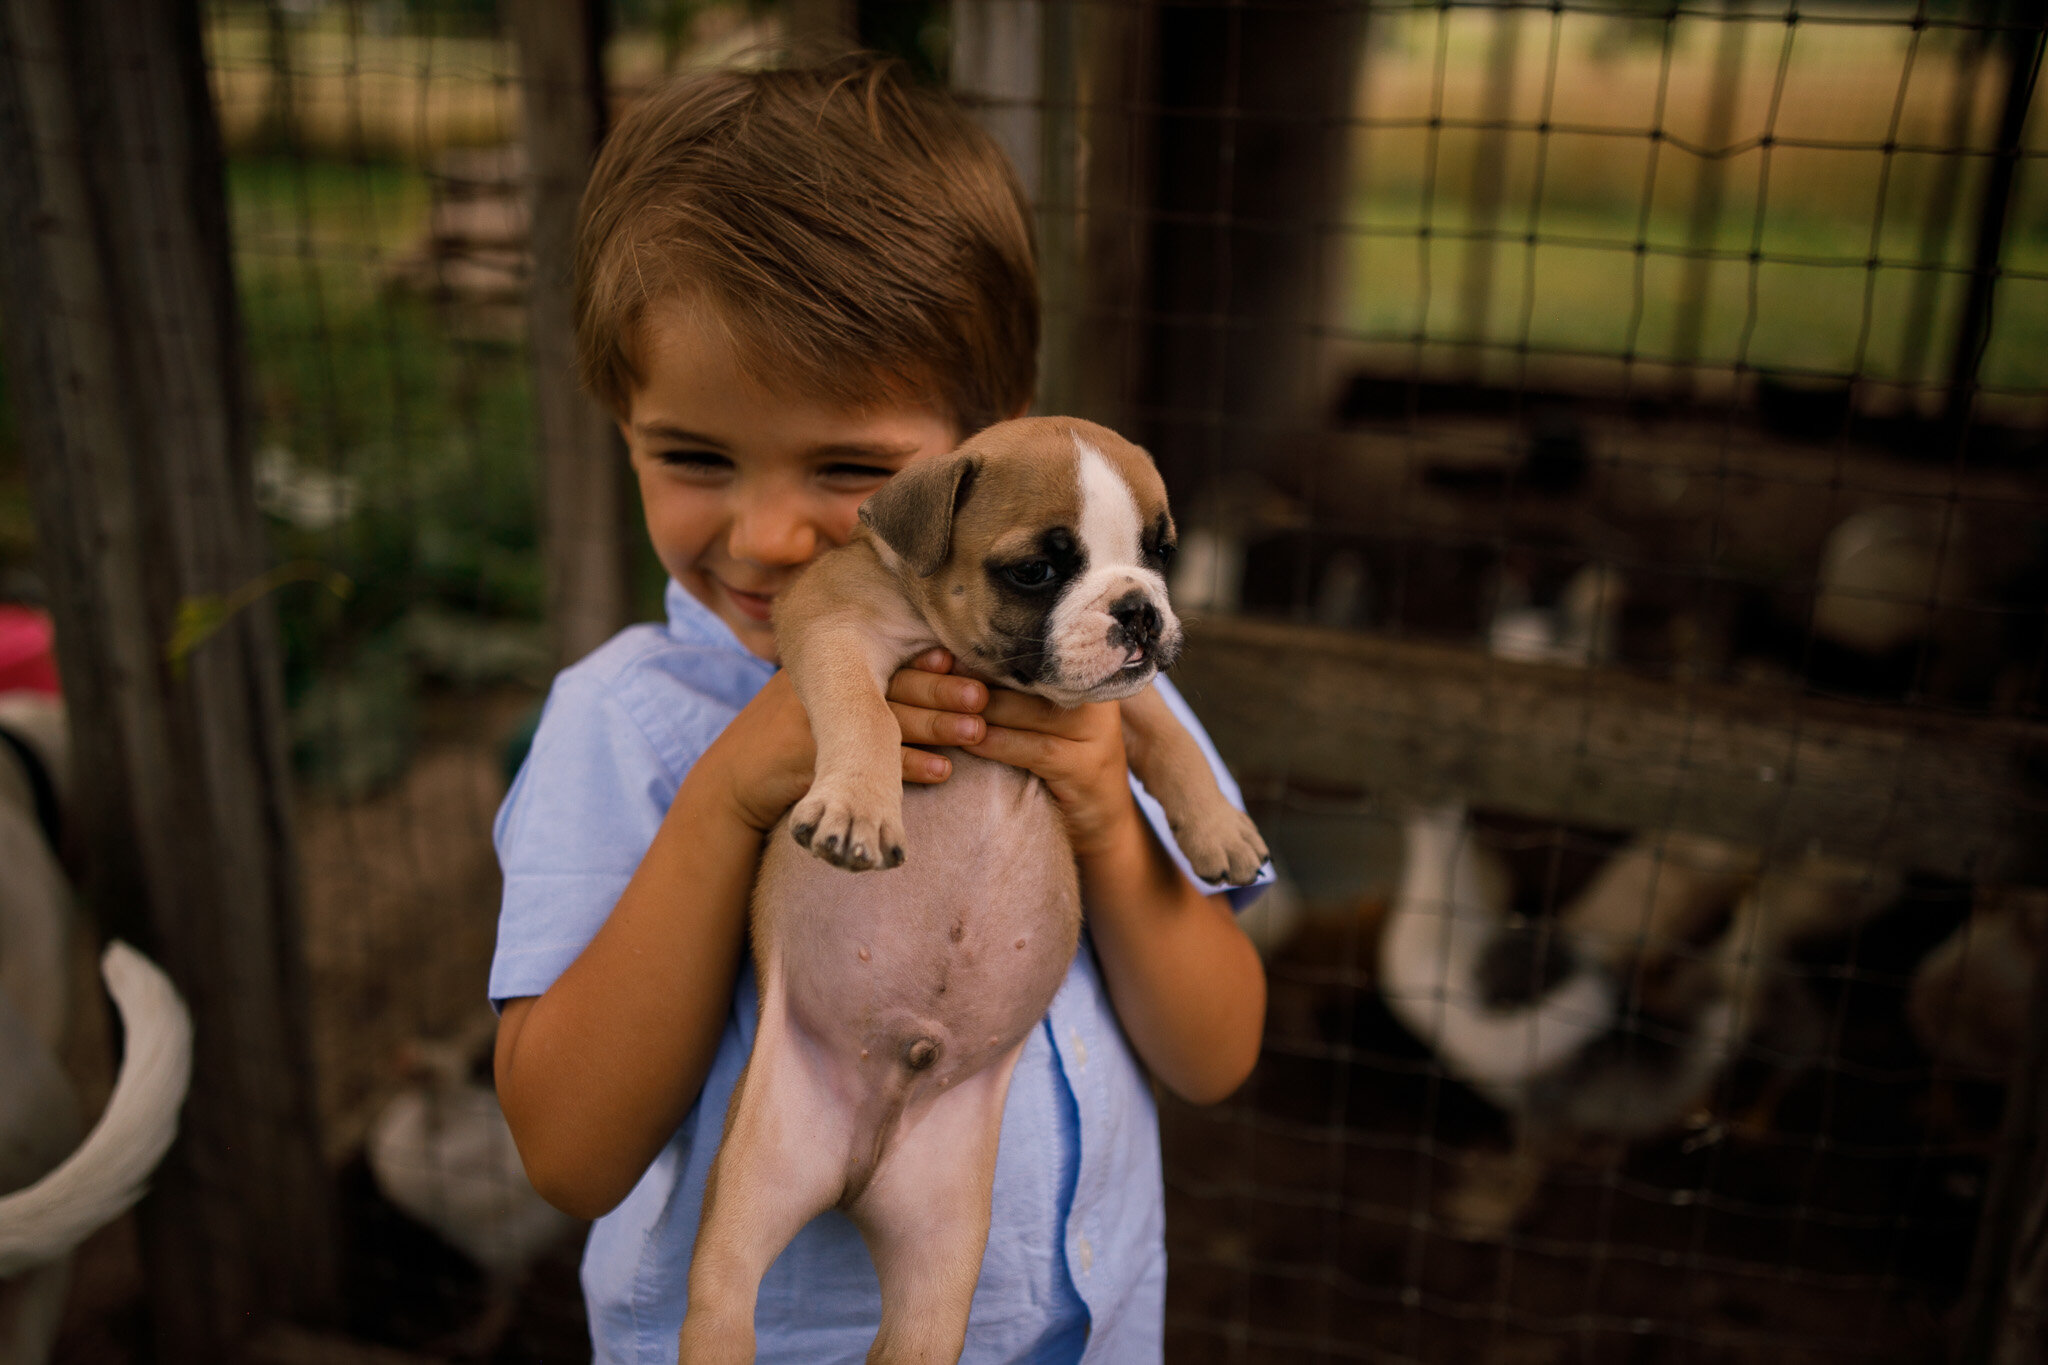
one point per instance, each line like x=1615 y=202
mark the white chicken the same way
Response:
x=1613 y=1022
x=441 y=1152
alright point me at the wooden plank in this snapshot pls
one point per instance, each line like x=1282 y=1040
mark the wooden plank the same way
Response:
x=588 y=503
x=124 y=362
x=1293 y=707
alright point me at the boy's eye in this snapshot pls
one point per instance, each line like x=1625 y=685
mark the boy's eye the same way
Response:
x=694 y=461
x=1030 y=573
x=843 y=473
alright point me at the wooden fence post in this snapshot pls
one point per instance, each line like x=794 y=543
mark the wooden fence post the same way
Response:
x=124 y=360
x=588 y=501
x=1253 y=146
x=2020 y=44
x=1066 y=89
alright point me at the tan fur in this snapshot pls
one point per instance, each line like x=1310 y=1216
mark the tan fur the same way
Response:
x=895 y=1002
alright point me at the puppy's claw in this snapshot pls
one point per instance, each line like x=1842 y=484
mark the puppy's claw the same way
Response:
x=1222 y=846
x=847 y=828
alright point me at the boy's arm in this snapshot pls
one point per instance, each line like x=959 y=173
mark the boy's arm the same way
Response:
x=596 y=1073
x=1185 y=981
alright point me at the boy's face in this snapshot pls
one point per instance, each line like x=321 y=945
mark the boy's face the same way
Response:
x=743 y=484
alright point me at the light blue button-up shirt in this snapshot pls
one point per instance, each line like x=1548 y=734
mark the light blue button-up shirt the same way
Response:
x=1076 y=1264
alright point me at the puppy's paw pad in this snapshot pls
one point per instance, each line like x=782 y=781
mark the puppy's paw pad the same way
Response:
x=1223 y=846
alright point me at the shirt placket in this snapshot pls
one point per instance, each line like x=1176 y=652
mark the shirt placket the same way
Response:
x=1082 y=1059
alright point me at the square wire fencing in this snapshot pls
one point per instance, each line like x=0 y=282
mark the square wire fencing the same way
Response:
x=1607 y=443
x=1607 y=446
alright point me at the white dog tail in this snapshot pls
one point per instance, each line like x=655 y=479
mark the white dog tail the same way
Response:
x=1451 y=909
x=107 y=1173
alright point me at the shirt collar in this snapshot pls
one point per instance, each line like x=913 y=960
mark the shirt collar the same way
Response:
x=693 y=623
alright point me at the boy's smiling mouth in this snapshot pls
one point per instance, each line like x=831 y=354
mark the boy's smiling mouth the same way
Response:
x=755 y=606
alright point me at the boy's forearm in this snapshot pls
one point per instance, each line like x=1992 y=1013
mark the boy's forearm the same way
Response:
x=1186 y=982
x=595 y=1074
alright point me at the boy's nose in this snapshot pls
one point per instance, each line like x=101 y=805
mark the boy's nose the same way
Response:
x=766 y=534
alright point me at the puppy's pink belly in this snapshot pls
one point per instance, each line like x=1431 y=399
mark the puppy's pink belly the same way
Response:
x=930 y=971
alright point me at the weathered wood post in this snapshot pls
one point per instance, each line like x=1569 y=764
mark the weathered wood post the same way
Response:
x=124 y=359
x=1254 y=139
x=2020 y=43
x=587 y=496
x=1066 y=89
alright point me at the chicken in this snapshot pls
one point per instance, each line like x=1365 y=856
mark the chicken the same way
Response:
x=441 y=1152
x=1969 y=998
x=1613 y=1022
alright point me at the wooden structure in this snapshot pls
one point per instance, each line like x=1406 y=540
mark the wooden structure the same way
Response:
x=587 y=504
x=1405 y=722
x=124 y=361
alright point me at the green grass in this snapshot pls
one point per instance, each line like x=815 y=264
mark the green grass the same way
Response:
x=1850 y=85
x=1583 y=289
x=357 y=379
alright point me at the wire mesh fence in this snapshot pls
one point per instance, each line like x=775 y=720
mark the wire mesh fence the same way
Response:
x=1607 y=445
x=1614 y=1021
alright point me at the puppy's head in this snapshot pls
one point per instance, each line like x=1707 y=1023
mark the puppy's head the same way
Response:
x=1037 y=552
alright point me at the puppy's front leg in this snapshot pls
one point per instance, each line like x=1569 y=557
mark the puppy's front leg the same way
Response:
x=843 y=629
x=852 y=817
x=1221 y=842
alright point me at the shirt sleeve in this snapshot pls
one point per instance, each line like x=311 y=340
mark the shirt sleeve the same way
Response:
x=579 y=817
x=1240 y=896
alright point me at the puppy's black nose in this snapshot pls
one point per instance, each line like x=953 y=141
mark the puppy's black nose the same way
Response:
x=1136 y=618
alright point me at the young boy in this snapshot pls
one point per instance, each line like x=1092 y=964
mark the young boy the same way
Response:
x=791 y=285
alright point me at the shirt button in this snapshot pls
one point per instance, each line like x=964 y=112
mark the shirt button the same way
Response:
x=1087 y=1256
x=1080 y=1050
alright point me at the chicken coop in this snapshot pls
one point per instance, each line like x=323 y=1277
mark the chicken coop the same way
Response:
x=1608 y=441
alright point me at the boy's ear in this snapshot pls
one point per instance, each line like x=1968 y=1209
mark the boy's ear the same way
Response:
x=913 y=513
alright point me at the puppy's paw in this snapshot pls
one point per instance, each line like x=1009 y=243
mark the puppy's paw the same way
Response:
x=1222 y=845
x=850 y=824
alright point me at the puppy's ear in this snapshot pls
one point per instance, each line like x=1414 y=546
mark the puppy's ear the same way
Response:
x=913 y=513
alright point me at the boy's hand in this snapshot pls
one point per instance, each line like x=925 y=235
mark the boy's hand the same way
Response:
x=1078 y=753
x=766 y=755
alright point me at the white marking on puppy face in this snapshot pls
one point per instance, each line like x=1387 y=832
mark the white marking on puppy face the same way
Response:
x=1110 y=526
x=1092 y=654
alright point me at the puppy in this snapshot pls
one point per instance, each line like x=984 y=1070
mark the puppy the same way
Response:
x=894 y=1005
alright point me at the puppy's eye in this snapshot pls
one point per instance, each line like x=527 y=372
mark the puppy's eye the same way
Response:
x=1030 y=573
x=1164 y=552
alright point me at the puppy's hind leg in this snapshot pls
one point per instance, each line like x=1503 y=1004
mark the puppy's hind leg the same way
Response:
x=925 y=1217
x=782 y=1162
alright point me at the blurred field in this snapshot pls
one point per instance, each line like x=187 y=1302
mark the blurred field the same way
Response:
x=1595 y=186
x=1598 y=184
x=357 y=91
x=353 y=379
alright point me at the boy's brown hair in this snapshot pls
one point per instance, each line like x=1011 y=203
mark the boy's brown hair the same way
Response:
x=852 y=231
